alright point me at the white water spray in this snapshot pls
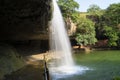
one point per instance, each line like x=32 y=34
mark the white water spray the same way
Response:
x=60 y=45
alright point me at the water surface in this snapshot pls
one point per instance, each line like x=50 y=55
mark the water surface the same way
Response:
x=103 y=65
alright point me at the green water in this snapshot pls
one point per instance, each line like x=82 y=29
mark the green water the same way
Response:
x=105 y=65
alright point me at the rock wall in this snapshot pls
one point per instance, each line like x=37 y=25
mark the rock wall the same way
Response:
x=10 y=60
x=24 y=19
x=23 y=25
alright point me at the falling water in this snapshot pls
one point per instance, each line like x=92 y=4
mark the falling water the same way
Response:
x=60 y=41
x=60 y=45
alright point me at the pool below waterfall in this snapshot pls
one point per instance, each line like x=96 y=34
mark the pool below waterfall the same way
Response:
x=96 y=65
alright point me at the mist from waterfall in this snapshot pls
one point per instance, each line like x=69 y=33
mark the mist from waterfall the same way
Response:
x=63 y=65
x=60 y=43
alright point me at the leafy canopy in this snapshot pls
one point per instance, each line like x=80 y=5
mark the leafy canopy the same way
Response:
x=68 y=7
x=112 y=28
x=112 y=35
x=85 y=28
x=85 y=32
x=113 y=14
x=94 y=10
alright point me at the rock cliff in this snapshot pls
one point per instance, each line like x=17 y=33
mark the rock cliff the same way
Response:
x=24 y=19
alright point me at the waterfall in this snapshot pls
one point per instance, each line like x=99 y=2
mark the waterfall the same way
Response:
x=60 y=46
x=60 y=43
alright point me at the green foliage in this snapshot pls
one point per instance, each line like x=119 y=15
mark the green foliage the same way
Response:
x=85 y=32
x=112 y=30
x=95 y=10
x=107 y=23
x=99 y=25
x=75 y=17
x=112 y=35
x=68 y=7
x=96 y=15
x=113 y=14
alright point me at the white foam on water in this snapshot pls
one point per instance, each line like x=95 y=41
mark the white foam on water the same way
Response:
x=67 y=71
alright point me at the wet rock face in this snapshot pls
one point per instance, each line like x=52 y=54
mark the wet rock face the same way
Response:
x=24 y=17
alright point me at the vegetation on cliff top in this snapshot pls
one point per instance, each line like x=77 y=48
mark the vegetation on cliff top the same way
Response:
x=105 y=23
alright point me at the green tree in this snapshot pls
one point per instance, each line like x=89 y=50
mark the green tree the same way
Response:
x=96 y=15
x=95 y=10
x=112 y=28
x=112 y=15
x=112 y=35
x=68 y=7
x=85 y=32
